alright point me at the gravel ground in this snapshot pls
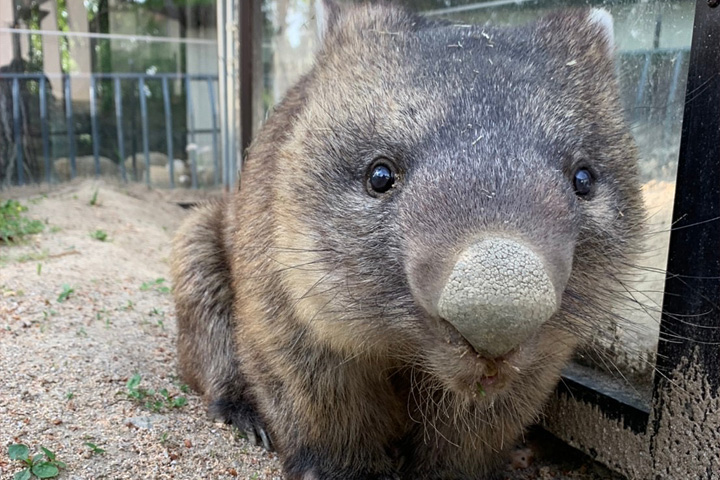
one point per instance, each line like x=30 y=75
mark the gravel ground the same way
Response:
x=66 y=363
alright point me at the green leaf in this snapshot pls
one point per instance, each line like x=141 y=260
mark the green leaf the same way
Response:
x=59 y=464
x=66 y=291
x=23 y=475
x=134 y=382
x=18 y=451
x=50 y=455
x=179 y=402
x=45 y=470
x=37 y=457
x=95 y=448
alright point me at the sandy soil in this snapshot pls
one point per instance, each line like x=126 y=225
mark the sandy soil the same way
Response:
x=66 y=363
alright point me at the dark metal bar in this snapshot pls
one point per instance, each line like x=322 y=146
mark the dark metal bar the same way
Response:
x=69 y=125
x=22 y=76
x=110 y=76
x=199 y=131
x=656 y=51
x=168 y=130
x=247 y=47
x=216 y=158
x=642 y=83
x=143 y=118
x=120 y=136
x=692 y=288
x=94 y=124
x=17 y=131
x=191 y=122
x=44 y=129
x=224 y=55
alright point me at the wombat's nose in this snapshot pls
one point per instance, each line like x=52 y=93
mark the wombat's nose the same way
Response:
x=497 y=295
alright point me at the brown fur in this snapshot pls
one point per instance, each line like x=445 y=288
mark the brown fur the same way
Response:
x=305 y=305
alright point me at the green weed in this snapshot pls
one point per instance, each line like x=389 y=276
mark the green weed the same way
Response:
x=13 y=226
x=158 y=285
x=34 y=256
x=100 y=235
x=40 y=465
x=94 y=448
x=155 y=401
x=67 y=290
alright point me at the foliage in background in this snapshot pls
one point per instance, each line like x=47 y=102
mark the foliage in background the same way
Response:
x=66 y=62
x=13 y=226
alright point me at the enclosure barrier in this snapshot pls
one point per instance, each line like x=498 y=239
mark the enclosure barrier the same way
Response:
x=141 y=80
x=639 y=96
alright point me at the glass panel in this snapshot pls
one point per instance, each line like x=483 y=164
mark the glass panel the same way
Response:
x=289 y=42
x=653 y=41
x=84 y=49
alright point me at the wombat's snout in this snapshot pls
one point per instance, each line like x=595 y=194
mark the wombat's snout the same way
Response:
x=497 y=295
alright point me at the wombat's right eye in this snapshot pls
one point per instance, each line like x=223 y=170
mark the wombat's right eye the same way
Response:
x=583 y=182
x=381 y=177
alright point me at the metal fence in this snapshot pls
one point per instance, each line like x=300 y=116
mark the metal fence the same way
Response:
x=15 y=170
x=649 y=93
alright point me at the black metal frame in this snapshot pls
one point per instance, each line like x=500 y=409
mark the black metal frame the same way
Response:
x=690 y=325
x=247 y=49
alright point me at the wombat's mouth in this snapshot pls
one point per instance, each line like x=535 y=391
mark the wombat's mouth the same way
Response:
x=480 y=373
x=453 y=337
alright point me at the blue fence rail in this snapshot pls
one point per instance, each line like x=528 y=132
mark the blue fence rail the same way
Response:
x=15 y=173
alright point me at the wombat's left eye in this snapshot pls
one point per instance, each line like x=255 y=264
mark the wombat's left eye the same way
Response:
x=381 y=177
x=583 y=181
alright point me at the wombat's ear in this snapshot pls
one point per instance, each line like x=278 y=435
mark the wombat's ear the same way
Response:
x=603 y=21
x=327 y=13
x=575 y=33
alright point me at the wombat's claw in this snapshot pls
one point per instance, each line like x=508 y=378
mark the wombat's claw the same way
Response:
x=244 y=418
x=266 y=441
x=252 y=437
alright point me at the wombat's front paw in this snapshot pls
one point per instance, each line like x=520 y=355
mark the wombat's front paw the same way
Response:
x=243 y=416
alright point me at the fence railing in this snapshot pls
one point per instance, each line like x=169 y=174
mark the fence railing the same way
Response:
x=15 y=168
x=650 y=79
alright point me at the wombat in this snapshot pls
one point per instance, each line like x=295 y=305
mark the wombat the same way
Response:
x=428 y=225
